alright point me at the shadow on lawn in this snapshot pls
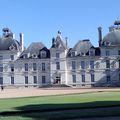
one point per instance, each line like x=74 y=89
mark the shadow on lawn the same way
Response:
x=67 y=110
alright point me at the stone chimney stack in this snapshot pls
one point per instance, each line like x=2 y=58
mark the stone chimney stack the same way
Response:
x=13 y=35
x=100 y=35
x=22 y=41
x=66 y=41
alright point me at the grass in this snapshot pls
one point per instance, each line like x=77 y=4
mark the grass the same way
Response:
x=61 y=107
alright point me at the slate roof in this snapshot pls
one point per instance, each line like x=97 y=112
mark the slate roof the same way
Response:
x=112 y=38
x=7 y=42
x=82 y=46
x=34 y=49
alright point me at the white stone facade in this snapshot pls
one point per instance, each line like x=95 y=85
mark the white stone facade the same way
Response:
x=82 y=65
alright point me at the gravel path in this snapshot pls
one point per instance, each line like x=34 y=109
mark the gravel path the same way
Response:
x=25 y=92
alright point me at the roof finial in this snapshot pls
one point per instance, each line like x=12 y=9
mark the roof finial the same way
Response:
x=59 y=32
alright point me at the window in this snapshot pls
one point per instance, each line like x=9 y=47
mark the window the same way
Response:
x=57 y=55
x=119 y=63
x=26 y=66
x=25 y=55
x=26 y=79
x=107 y=53
x=35 y=79
x=97 y=65
x=1 y=57
x=43 y=54
x=83 y=78
x=34 y=66
x=91 y=53
x=108 y=78
x=12 y=68
x=91 y=64
x=43 y=66
x=119 y=76
x=118 y=52
x=12 y=57
x=74 y=78
x=57 y=65
x=1 y=67
x=12 y=80
x=1 y=80
x=92 y=78
x=73 y=54
x=43 y=79
x=107 y=63
x=73 y=65
x=83 y=64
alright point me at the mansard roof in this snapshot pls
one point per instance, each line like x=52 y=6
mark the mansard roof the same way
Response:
x=34 y=49
x=82 y=46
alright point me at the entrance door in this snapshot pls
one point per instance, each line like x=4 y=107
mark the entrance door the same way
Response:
x=57 y=80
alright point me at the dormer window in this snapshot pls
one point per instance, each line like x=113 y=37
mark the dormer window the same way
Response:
x=91 y=52
x=72 y=53
x=43 y=54
x=12 y=47
x=25 y=56
x=34 y=56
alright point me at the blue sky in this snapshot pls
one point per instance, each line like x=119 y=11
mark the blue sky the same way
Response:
x=40 y=20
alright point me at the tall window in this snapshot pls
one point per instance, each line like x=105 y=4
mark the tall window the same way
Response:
x=35 y=79
x=119 y=76
x=43 y=79
x=57 y=65
x=12 y=57
x=73 y=65
x=119 y=63
x=83 y=78
x=118 y=52
x=74 y=78
x=1 y=57
x=12 y=80
x=107 y=53
x=1 y=67
x=34 y=66
x=26 y=66
x=108 y=78
x=83 y=64
x=43 y=66
x=91 y=64
x=57 y=55
x=107 y=63
x=26 y=79
x=1 y=80
x=92 y=78
x=12 y=68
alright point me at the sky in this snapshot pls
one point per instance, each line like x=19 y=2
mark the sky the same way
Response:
x=40 y=20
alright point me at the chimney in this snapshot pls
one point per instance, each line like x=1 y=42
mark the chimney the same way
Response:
x=66 y=41
x=13 y=35
x=100 y=35
x=22 y=41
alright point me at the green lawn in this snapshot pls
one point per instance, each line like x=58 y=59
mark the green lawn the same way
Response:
x=61 y=107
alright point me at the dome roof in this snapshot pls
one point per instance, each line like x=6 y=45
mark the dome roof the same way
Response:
x=112 y=38
x=7 y=43
x=82 y=46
